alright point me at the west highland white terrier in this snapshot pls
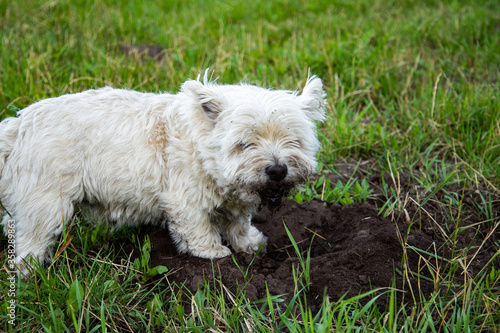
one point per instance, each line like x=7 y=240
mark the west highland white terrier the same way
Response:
x=201 y=161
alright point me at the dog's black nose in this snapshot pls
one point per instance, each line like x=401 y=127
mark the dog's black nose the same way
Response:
x=277 y=172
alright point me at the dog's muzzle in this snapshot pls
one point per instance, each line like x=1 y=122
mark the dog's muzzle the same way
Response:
x=276 y=188
x=277 y=172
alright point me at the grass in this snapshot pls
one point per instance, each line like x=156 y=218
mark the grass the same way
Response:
x=323 y=189
x=412 y=88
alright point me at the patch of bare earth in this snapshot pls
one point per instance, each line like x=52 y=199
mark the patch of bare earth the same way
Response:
x=353 y=250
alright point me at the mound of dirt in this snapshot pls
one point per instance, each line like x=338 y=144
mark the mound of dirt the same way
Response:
x=353 y=250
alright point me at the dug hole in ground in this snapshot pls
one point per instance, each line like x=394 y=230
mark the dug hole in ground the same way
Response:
x=353 y=250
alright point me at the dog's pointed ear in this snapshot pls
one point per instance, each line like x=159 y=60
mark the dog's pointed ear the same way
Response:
x=313 y=98
x=208 y=100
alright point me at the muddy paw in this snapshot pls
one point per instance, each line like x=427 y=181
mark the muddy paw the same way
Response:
x=251 y=243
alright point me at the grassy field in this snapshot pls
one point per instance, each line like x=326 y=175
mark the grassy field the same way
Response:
x=413 y=88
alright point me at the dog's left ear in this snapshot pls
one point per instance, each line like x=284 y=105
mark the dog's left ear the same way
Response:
x=313 y=98
x=208 y=100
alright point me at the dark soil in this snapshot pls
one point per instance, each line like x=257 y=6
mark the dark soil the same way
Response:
x=353 y=250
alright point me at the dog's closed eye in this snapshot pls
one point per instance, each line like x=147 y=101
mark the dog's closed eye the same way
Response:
x=246 y=145
x=294 y=143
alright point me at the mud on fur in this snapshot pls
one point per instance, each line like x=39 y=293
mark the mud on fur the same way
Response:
x=200 y=162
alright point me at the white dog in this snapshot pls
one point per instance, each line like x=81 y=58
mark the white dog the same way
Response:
x=201 y=161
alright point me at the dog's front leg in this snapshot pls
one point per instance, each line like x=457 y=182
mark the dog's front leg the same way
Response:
x=241 y=234
x=194 y=233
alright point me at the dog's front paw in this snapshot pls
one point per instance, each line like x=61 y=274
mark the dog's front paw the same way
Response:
x=251 y=242
x=218 y=252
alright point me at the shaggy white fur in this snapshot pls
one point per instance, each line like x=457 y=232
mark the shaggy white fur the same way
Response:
x=201 y=161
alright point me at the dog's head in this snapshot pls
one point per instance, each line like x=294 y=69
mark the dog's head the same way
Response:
x=259 y=140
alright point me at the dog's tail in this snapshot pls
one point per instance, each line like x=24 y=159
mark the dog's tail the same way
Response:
x=8 y=135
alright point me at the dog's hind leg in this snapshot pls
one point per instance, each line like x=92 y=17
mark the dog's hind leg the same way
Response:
x=38 y=221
